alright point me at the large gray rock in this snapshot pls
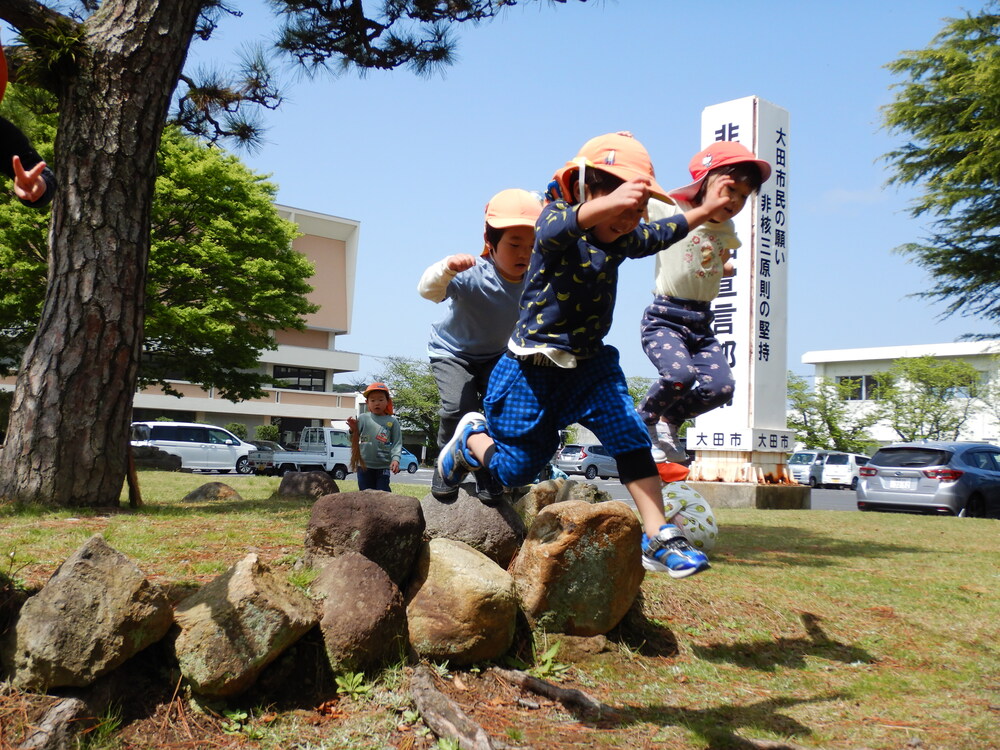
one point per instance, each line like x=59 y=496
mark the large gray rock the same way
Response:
x=532 y=499
x=314 y=484
x=363 y=614
x=579 y=569
x=212 y=491
x=497 y=531
x=461 y=606
x=386 y=528
x=587 y=492
x=236 y=625
x=96 y=611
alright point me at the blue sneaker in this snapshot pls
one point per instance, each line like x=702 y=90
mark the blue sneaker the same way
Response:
x=670 y=552
x=456 y=461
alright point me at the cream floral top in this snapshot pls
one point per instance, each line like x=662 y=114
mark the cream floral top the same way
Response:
x=693 y=267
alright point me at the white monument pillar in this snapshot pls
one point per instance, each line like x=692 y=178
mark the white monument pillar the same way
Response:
x=746 y=440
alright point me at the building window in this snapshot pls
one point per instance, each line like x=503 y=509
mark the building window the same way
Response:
x=852 y=387
x=299 y=378
x=874 y=388
x=861 y=387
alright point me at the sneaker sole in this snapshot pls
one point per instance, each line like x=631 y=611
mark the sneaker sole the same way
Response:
x=448 y=494
x=657 y=567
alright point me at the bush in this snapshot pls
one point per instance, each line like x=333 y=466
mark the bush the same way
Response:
x=238 y=429
x=266 y=432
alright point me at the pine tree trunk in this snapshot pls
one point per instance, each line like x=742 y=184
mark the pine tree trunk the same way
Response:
x=66 y=443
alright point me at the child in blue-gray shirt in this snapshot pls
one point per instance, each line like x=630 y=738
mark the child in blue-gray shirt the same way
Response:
x=481 y=297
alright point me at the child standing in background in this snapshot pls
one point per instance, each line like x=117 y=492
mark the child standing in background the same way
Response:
x=677 y=331
x=481 y=297
x=379 y=439
x=557 y=369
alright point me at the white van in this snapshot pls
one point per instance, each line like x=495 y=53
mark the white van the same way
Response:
x=200 y=447
x=806 y=466
x=841 y=470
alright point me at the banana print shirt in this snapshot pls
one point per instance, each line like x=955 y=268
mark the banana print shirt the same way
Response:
x=569 y=290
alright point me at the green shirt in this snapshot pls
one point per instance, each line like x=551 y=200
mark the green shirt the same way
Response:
x=380 y=440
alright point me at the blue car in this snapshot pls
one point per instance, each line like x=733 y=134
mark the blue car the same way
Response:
x=408 y=462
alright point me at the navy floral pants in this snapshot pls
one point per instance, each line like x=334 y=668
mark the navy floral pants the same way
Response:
x=694 y=374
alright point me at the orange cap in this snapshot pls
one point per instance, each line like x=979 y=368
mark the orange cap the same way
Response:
x=672 y=472
x=512 y=208
x=713 y=156
x=618 y=153
x=380 y=387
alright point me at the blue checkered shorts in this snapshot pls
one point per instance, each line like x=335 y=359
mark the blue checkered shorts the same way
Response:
x=526 y=405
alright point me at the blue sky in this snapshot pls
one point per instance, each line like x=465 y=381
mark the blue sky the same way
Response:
x=415 y=159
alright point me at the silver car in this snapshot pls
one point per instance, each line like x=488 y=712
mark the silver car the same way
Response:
x=592 y=460
x=961 y=479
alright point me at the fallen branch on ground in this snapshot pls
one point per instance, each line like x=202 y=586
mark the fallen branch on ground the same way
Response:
x=59 y=727
x=570 y=698
x=445 y=717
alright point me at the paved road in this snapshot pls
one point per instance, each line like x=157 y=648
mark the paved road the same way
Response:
x=821 y=499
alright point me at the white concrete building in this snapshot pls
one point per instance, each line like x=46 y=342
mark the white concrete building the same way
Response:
x=862 y=364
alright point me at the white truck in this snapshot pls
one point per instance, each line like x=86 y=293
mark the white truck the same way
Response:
x=320 y=449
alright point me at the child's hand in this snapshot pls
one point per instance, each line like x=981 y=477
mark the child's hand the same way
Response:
x=631 y=195
x=718 y=194
x=461 y=262
x=352 y=424
x=28 y=186
x=394 y=467
x=625 y=205
x=728 y=269
x=715 y=205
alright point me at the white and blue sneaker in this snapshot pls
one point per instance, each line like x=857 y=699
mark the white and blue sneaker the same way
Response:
x=456 y=460
x=670 y=552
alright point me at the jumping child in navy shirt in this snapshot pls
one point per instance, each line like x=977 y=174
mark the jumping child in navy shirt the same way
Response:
x=558 y=370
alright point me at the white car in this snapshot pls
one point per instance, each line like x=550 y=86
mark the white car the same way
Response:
x=842 y=470
x=196 y=447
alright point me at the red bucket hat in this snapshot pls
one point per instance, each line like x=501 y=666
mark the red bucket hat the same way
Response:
x=618 y=153
x=384 y=389
x=713 y=156
x=512 y=208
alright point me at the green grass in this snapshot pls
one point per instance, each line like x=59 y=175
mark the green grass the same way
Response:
x=829 y=629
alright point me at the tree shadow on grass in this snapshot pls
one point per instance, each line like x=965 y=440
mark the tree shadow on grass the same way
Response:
x=718 y=726
x=781 y=546
x=767 y=654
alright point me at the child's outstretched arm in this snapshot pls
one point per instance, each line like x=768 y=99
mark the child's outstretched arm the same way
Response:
x=433 y=284
x=716 y=197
